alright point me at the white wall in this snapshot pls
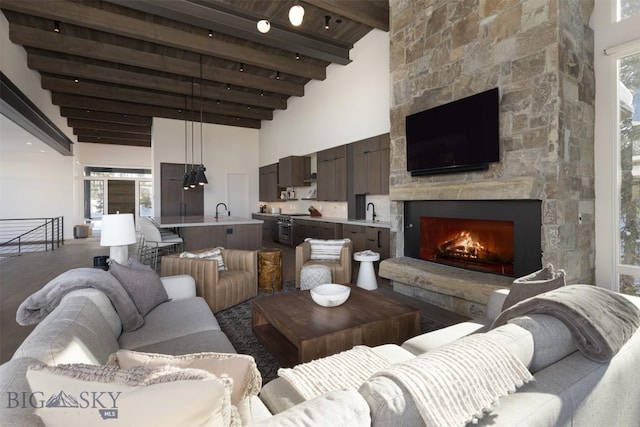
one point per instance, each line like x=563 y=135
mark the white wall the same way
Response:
x=34 y=184
x=351 y=104
x=227 y=150
x=608 y=34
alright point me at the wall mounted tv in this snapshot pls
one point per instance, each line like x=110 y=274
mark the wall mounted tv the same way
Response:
x=460 y=136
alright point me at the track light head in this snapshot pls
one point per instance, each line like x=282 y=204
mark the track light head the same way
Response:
x=263 y=26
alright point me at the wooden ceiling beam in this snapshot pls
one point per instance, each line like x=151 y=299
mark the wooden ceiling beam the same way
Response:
x=101 y=116
x=115 y=127
x=161 y=99
x=70 y=45
x=110 y=22
x=112 y=141
x=111 y=134
x=361 y=11
x=76 y=69
x=83 y=102
x=209 y=15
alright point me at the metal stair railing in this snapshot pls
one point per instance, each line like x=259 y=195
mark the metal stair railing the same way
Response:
x=30 y=235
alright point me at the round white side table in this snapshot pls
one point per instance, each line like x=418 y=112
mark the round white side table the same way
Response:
x=366 y=274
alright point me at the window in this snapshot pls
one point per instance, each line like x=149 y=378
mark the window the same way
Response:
x=627 y=9
x=628 y=71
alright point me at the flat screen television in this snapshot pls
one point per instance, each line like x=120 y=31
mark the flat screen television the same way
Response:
x=460 y=136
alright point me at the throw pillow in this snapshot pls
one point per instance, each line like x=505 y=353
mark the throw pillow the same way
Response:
x=241 y=368
x=533 y=284
x=91 y=394
x=326 y=249
x=142 y=284
x=215 y=253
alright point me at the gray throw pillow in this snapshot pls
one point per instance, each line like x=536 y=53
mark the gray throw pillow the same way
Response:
x=533 y=284
x=142 y=284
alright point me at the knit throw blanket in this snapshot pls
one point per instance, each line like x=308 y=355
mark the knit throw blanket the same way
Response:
x=346 y=370
x=455 y=384
x=601 y=321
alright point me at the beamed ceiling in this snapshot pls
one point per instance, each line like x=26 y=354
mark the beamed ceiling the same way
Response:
x=114 y=65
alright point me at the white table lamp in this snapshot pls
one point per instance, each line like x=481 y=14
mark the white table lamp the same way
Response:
x=118 y=232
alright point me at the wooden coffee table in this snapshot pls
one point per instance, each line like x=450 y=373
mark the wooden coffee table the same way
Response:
x=296 y=330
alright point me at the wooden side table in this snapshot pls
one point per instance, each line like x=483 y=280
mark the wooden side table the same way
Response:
x=270 y=270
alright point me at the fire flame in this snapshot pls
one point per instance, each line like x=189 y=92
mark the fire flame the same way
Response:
x=464 y=245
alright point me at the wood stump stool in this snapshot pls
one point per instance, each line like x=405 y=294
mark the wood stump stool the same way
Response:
x=270 y=270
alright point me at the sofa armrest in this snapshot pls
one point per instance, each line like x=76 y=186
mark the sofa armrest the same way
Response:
x=241 y=260
x=179 y=287
x=203 y=270
x=335 y=408
x=432 y=340
x=494 y=306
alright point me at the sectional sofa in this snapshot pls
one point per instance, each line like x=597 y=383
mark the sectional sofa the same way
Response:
x=568 y=389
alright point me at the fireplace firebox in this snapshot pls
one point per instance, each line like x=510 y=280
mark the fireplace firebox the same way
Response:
x=496 y=236
x=480 y=244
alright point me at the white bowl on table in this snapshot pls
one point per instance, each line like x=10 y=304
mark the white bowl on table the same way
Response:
x=330 y=295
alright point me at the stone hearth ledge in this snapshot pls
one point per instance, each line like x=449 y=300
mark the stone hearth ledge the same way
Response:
x=457 y=283
x=519 y=188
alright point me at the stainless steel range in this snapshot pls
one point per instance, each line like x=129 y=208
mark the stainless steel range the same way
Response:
x=285 y=228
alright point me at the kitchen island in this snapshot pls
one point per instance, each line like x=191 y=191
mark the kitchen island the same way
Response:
x=207 y=231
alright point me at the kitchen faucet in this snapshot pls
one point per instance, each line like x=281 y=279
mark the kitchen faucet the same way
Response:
x=225 y=208
x=373 y=217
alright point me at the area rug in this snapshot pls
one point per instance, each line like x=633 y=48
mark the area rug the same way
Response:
x=235 y=322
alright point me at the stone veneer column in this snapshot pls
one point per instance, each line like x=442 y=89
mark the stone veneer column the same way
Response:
x=540 y=54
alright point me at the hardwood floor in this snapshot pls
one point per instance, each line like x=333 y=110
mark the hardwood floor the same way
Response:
x=23 y=275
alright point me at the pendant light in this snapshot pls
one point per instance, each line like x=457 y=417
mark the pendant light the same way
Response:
x=201 y=178
x=192 y=174
x=296 y=15
x=185 y=179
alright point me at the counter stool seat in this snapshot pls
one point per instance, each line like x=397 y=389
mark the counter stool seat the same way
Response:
x=314 y=275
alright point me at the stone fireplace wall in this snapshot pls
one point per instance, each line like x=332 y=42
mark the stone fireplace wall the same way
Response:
x=539 y=53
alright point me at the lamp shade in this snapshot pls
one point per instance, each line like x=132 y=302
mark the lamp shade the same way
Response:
x=296 y=14
x=117 y=230
x=263 y=26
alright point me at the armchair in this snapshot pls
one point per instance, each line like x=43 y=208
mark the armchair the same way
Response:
x=220 y=289
x=340 y=269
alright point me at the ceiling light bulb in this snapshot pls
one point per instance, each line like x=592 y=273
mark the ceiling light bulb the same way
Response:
x=327 y=18
x=263 y=26
x=296 y=14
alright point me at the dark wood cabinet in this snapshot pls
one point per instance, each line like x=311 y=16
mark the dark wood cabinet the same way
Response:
x=268 y=183
x=269 y=226
x=332 y=174
x=371 y=165
x=174 y=200
x=293 y=171
x=376 y=239
x=303 y=229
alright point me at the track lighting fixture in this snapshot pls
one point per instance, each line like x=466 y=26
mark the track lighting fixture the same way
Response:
x=327 y=18
x=263 y=26
x=297 y=56
x=242 y=67
x=210 y=33
x=296 y=15
x=277 y=75
x=261 y=92
x=56 y=26
x=228 y=86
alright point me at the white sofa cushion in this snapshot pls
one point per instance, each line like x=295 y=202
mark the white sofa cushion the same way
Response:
x=240 y=368
x=91 y=395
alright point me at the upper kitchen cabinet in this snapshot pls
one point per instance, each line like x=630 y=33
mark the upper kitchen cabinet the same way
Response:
x=174 y=200
x=332 y=174
x=293 y=170
x=371 y=165
x=268 y=185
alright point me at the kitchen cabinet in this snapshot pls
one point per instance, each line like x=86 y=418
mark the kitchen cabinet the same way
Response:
x=332 y=174
x=269 y=226
x=303 y=229
x=371 y=165
x=268 y=183
x=293 y=171
x=376 y=239
x=174 y=200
